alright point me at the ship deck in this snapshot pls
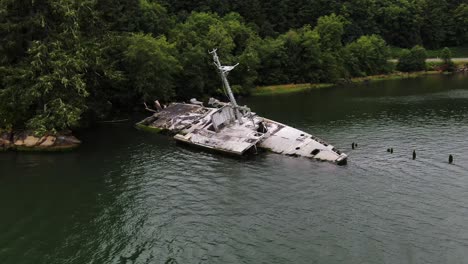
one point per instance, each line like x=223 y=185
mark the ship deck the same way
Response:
x=196 y=125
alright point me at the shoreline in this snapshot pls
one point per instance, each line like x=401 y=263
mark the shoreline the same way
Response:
x=26 y=141
x=292 y=88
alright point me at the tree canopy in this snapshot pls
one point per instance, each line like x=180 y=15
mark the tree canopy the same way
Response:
x=413 y=60
x=66 y=63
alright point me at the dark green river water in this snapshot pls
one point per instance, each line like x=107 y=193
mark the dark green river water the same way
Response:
x=126 y=196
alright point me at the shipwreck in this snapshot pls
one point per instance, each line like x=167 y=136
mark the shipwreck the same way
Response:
x=233 y=129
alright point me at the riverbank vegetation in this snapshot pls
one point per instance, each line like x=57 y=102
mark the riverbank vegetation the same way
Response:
x=457 y=52
x=292 y=88
x=66 y=64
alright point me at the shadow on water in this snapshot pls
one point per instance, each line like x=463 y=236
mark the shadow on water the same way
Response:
x=126 y=196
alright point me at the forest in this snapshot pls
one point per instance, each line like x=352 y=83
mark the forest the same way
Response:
x=65 y=64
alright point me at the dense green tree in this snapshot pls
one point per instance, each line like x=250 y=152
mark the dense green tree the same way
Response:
x=46 y=89
x=412 y=60
x=22 y=21
x=460 y=25
x=435 y=17
x=272 y=53
x=330 y=30
x=446 y=56
x=362 y=17
x=151 y=66
x=371 y=53
x=120 y=15
x=292 y=57
x=146 y=16
x=154 y=18
x=202 y=32
x=399 y=22
x=332 y=67
x=65 y=62
x=308 y=62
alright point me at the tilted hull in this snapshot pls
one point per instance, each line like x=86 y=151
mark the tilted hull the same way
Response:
x=218 y=129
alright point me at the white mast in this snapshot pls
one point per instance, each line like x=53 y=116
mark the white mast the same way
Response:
x=224 y=71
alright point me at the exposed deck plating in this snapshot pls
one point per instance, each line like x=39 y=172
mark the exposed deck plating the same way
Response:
x=193 y=124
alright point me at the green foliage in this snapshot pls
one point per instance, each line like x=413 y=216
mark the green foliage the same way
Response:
x=330 y=29
x=403 y=23
x=400 y=23
x=272 y=53
x=446 y=56
x=413 y=60
x=371 y=53
x=457 y=52
x=120 y=15
x=434 y=22
x=292 y=57
x=151 y=66
x=317 y=55
x=202 y=32
x=154 y=19
x=332 y=67
x=459 y=33
x=66 y=63
x=46 y=89
x=55 y=116
x=362 y=17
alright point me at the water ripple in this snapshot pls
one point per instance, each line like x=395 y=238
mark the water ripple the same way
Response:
x=148 y=200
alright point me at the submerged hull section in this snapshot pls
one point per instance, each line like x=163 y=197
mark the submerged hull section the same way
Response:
x=294 y=142
x=220 y=129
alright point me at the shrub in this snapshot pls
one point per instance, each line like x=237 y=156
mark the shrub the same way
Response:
x=412 y=60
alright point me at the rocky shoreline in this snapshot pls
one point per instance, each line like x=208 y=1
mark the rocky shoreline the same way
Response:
x=27 y=141
x=462 y=68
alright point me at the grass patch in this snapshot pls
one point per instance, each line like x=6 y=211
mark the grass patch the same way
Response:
x=292 y=88
x=393 y=76
x=460 y=63
x=288 y=88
